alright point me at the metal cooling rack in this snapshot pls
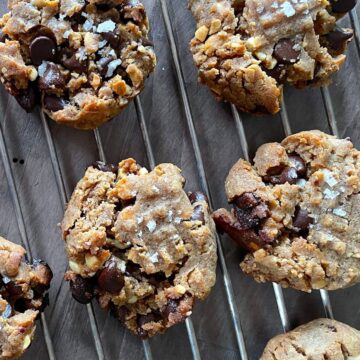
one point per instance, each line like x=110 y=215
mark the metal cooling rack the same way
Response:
x=240 y=349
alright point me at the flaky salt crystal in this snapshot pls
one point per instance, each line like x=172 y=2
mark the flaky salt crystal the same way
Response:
x=339 y=212
x=106 y=26
x=288 y=9
x=42 y=69
x=329 y=194
x=151 y=225
x=88 y=24
x=329 y=178
x=154 y=258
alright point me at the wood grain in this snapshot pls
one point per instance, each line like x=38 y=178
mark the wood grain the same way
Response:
x=68 y=321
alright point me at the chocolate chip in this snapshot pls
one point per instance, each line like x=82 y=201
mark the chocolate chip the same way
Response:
x=3 y=36
x=298 y=163
x=301 y=219
x=11 y=287
x=22 y=304
x=337 y=39
x=342 y=6
x=82 y=289
x=284 y=52
x=7 y=312
x=45 y=274
x=102 y=65
x=51 y=78
x=278 y=73
x=73 y=64
x=145 y=319
x=132 y=269
x=146 y=42
x=110 y=278
x=198 y=214
x=54 y=103
x=28 y=98
x=250 y=210
x=171 y=307
x=105 y=167
x=112 y=38
x=288 y=174
x=42 y=48
x=331 y=328
x=119 y=312
x=197 y=196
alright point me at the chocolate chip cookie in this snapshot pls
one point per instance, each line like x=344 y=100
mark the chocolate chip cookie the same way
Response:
x=82 y=60
x=319 y=339
x=296 y=211
x=247 y=49
x=22 y=297
x=139 y=244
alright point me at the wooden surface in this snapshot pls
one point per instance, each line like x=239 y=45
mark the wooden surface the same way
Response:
x=39 y=197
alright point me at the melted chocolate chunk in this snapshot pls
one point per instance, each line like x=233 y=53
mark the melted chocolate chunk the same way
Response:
x=171 y=307
x=337 y=39
x=73 y=64
x=113 y=39
x=278 y=73
x=54 y=103
x=301 y=219
x=105 y=167
x=28 y=98
x=82 y=290
x=197 y=196
x=52 y=78
x=342 y=6
x=42 y=268
x=298 y=163
x=145 y=319
x=42 y=48
x=110 y=278
x=119 y=312
x=246 y=231
x=285 y=53
x=12 y=289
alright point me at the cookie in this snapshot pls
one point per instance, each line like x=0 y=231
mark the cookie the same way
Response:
x=246 y=50
x=82 y=60
x=22 y=297
x=296 y=211
x=139 y=244
x=319 y=339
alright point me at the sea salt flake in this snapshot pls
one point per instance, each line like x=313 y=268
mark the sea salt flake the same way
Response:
x=259 y=9
x=151 y=225
x=155 y=189
x=66 y=34
x=301 y=183
x=275 y=5
x=102 y=44
x=42 y=68
x=81 y=54
x=139 y=219
x=177 y=220
x=112 y=67
x=174 y=237
x=288 y=9
x=88 y=24
x=139 y=234
x=170 y=215
x=112 y=53
x=62 y=17
x=121 y=266
x=339 y=212
x=154 y=258
x=106 y=26
x=329 y=194
x=329 y=178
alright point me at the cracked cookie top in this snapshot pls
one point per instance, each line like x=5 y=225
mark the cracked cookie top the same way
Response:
x=83 y=61
x=319 y=339
x=22 y=297
x=296 y=210
x=247 y=49
x=140 y=244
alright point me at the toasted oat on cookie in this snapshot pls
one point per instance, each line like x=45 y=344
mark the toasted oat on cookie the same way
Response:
x=297 y=211
x=247 y=49
x=319 y=339
x=139 y=244
x=22 y=297
x=82 y=60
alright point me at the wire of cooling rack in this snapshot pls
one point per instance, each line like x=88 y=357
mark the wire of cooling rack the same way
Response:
x=202 y=175
x=64 y=198
x=22 y=230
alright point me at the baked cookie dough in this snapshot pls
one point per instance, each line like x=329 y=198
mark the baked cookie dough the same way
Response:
x=22 y=297
x=140 y=244
x=83 y=60
x=246 y=50
x=319 y=339
x=297 y=210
